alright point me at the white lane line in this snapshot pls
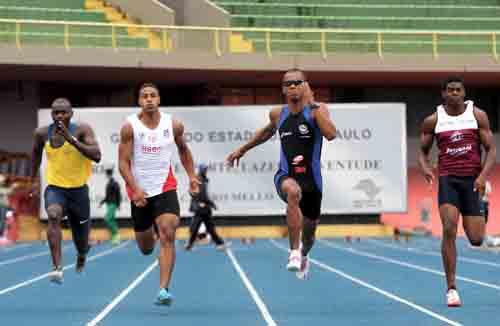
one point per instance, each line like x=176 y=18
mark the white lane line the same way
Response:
x=255 y=296
x=27 y=257
x=405 y=264
x=122 y=295
x=376 y=289
x=41 y=277
x=432 y=253
x=17 y=246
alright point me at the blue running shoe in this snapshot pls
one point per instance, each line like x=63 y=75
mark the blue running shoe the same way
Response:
x=164 y=298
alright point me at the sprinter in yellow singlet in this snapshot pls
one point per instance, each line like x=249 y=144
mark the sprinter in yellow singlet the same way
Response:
x=70 y=149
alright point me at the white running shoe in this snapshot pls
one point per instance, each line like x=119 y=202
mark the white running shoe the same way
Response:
x=56 y=276
x=452 y=298
x=304 y=269
x=294 y=261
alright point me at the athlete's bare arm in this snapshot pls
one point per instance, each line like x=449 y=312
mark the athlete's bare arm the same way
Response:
x=325 y=123
x=261 y=136
x=125 y=151
x=185 y=155
x=426 y=141
x=84 y=140
x=86 y=143
x=488 y=142
x=39 y=139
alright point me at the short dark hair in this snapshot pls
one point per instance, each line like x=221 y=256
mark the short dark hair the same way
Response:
x=296 y=70
x=148 y=84
x=109 y=172
x=61 y=102
x=452 y=79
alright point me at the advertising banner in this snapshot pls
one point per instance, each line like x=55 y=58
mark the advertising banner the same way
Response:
x=364 y=168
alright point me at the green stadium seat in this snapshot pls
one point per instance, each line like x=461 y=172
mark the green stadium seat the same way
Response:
x=377 y=15
x=61 y=10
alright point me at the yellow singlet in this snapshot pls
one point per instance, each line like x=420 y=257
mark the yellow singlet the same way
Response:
x=66 y=166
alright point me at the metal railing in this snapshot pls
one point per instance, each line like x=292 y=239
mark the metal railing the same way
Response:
x=270 y=41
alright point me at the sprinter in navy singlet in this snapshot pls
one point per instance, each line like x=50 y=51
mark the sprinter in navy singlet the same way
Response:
x=301 y=142
x=301 y=125
x=461 y=129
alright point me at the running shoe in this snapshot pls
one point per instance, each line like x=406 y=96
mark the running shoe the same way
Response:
x=164 y=298
x=304 y=269
x=115 y=240
x=80 y=262
x=56 y=276
x=452 y=298
x=294 y=261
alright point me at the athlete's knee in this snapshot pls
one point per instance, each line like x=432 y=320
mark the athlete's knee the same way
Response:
x=167 y=236
x=294 y=195
x=449 y=228
x=166 y=229
x=54 y=215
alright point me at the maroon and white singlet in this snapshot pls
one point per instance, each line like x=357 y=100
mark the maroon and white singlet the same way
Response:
x=458 y=142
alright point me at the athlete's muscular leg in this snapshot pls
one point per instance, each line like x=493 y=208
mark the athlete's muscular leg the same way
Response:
x=54 y=234
x=308 y=234
x=167 y=226
x=146 y=241
x=293 y=213
x=474 y=227
x=449 y=218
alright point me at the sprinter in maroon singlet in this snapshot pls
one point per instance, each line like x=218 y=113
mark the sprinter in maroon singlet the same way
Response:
x=461 y=129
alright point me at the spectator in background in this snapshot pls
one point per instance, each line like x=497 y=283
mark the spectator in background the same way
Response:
x=4 y=202
x=112 y=200
x=485 y=200
x=201 y=206
x=5 y=191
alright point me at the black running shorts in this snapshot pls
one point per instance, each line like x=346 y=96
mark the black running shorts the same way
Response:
x=144 y=217
x=459 y=192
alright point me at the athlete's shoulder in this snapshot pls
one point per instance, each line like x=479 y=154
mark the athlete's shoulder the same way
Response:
x=41 y=131
x=477 y=111
x=276 y=110
x=275 y=113
x=177 y=127
x=41 y=134
x=481 y=117
x=430 y=122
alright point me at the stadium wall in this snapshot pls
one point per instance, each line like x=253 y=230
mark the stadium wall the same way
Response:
x=148 y=12
x=198 y=13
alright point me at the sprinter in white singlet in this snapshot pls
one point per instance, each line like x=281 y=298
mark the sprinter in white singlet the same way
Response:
x=147 y=142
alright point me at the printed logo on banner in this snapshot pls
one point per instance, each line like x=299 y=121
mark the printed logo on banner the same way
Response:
x=370 y=189
x=350 y=134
